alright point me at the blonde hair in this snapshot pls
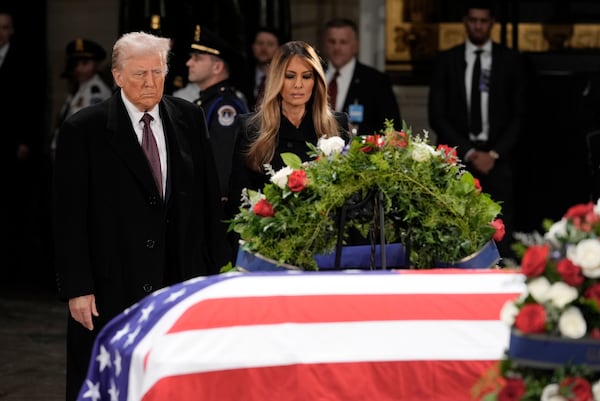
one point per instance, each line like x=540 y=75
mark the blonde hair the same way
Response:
x=268 y=116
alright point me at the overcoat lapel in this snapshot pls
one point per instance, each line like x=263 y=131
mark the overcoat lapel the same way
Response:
x=127 y=146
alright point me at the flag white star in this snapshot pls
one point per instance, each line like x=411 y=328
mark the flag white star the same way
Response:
x=119 y=334
x=113 y=391
x=146 y=313
x=93 y=390
x=117 y=363
x=103 y=358
x=131 y=337
x=175 y=295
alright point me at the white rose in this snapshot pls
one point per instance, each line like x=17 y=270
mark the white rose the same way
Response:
x=539 y=288
x=596 y=390
x=280 y=178
x=571 y=323
x=508 y=312
x=422 y=152
x=556 y=231
x=586 y=254
x=551 y=393
x=561 y=294
x=331 y=145
x=597 y=207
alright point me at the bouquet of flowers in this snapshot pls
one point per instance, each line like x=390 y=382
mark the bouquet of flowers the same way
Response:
x=429 y=201
x=562 y=276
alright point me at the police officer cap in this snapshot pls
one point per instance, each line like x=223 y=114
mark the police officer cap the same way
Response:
x=208 y=42
x=85 y=49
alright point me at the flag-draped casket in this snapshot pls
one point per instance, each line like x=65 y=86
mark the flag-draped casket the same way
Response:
x=414 y=335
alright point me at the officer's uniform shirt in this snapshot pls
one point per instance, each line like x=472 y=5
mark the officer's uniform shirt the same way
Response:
x=91 y=92
x=222 y=103
x=190 y=92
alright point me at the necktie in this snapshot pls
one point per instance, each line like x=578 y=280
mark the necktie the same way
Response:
x=333 y=90
x=151 y=150
x=475 y=123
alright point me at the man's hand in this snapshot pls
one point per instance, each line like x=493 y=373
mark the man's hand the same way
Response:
x=482 y=161
x=82 y=308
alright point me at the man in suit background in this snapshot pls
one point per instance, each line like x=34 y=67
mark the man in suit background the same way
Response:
x=487 y=143
x=127 y=224
x=362 y=91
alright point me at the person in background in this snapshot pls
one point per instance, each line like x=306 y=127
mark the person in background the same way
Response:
x=135 y=198
x=484 y=132
x=266 y=41
x=19 y=149
x=82 y=72
x=362 y=91
x=293 y=112
x=209 y=69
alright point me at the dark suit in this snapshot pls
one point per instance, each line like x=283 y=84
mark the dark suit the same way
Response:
x=114 y=235
x=448 y=117
x=372 y=89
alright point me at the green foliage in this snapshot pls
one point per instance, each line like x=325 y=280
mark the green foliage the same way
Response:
x=430 y=202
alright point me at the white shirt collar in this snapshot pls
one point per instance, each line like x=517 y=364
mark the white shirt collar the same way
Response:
x=135 y=114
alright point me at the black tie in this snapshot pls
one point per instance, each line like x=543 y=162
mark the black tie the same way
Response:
x=333 y=90
x=475 y=125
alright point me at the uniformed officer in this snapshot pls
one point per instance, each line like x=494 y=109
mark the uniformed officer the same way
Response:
x=83 y=60
x=209 y=67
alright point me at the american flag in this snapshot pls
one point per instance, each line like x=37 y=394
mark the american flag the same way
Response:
x=410 y=335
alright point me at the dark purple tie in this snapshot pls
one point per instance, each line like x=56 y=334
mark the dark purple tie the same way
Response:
x=151 y=150
x=333 y=90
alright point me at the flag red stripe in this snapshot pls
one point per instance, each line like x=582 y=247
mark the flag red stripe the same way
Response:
x=381 y=381
x=224 y=312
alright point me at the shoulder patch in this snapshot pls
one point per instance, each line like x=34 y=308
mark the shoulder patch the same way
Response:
x=226 y=115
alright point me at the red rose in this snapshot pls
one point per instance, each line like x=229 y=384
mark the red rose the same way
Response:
x=577 y=389
x=513 y=390
x=580 y=210
x=477 y=184
x=449 y=153
x=593 y=293
x=498 y=224
x=569 y=272
x=263 y=208
x=534 y=260
x=531 y=319
x=297 y=180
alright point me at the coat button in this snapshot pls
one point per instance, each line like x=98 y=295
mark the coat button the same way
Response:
x=153 y=201
x=147 y=288
x=150 y=243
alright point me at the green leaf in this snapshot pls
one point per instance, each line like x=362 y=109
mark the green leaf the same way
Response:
x=292 y=160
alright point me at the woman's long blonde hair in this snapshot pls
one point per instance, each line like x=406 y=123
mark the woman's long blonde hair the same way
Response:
x=268 y=116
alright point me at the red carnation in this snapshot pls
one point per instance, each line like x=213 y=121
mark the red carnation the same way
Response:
x=578 y=389
x=569 y=272
x=263 y=208
x=498 y=224
x=534 y=260
x=477 y=184
x=531 y=319
x=297 y=180
x=513 y=390
x=398 y=139
x=449 y=152
x=593 y=293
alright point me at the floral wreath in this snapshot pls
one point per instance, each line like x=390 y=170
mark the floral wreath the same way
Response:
x=560 y=304
x=430 y=201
